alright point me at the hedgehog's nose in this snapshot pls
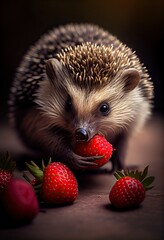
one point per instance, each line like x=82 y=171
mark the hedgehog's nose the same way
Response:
x=81 y=135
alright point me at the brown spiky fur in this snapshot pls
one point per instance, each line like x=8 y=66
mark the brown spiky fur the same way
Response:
x=84 y=68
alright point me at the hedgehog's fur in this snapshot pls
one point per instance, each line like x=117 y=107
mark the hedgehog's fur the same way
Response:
x=98 y=64
x=85 y=66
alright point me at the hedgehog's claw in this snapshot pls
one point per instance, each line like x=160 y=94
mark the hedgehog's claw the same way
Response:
x=83 y=163
x=80 y=162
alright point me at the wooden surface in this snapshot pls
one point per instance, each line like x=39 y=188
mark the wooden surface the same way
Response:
x=91 y=216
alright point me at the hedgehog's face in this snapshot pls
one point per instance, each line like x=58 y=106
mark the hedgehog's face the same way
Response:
x=106 y=110
x=85 y=111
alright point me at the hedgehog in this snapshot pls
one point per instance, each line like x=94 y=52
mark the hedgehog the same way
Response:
x=76 y=81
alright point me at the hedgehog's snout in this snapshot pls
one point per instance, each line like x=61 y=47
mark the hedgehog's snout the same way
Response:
x=81 y=135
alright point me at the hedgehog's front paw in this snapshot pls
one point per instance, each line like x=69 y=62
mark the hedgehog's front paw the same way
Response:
x=79 y=162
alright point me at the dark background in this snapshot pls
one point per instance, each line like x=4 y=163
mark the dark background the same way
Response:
x=137 y=23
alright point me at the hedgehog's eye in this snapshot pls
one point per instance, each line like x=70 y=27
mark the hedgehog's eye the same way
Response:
x=104 y=109
x=68 y=104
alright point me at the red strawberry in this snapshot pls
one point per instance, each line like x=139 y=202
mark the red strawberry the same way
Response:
x=129 y=190
x=20 y=201
x=6 y=168
x=59 y=185
x=97 y=146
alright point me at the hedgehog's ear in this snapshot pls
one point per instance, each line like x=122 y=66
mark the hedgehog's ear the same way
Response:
x=130 y=78
x=54 y=70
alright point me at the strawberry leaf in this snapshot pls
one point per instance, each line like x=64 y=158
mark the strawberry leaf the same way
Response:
x=34 y=164
x=132 y=174
x=148 y=188
x=138 y=175
x=6 y=162
x=35 y=171
x=145 y=172
x=43 y=165
x=125 y=173
x=147 y=181
x=119 y=174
